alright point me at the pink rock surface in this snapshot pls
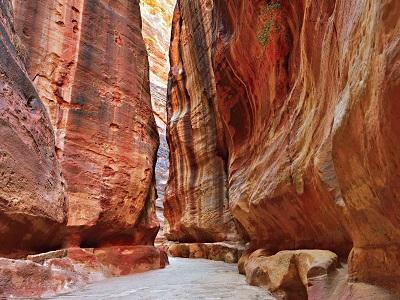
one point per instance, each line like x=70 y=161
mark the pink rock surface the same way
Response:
x=30 y=280
x=32 y=197
x=70 y=269
x=89 y=64
x=292 y=125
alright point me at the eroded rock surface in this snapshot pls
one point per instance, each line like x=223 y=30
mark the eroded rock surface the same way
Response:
x=32 y=196
x=196 y=201
x=66 y=270
x=286 y=112
x=229 y=253
x=89 y=64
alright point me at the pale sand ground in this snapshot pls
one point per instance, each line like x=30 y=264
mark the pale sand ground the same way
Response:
x=182 y=279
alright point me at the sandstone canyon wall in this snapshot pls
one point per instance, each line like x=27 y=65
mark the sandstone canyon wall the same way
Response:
x=196 y=202
x=89 y=64
x=78 y=152
x=156 y=20
x=285 y=115
x=32 y=195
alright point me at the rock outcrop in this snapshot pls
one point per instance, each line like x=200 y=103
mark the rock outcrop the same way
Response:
x=95 y=128
x=89 y=64
x=287 y=273
x=196 y=201
x=66 y=270
x=285 y=114
x=32 y=196
x=229 y=253
x=156 y=20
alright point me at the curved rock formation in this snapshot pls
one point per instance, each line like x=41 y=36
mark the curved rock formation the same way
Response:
x=89 y=64
x=286 y=112
x=32 y=197
x=196 y=203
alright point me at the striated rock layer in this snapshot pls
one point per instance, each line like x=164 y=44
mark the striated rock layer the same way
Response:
x=156 y=20
x=196 y=202
x=89 y=64
x=32 y=196
x=286 y=115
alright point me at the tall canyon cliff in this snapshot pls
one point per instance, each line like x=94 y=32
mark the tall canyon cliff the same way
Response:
x=283 y=118
x=79 y=144
x=32 y=194
x=89 y=64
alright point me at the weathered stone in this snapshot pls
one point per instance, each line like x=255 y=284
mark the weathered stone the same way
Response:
x=335 y=285
x=40 y=258
x=89 y=64
x=164 y=261
x=286 y=273
x=229 y=253
x=31 y=280
x=32 y=196
x=118 y=261
x=296 y=124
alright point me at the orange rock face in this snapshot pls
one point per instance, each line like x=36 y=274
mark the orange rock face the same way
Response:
x=89 y=64
x=196 y=202
x=32 y=196
x=286 y=113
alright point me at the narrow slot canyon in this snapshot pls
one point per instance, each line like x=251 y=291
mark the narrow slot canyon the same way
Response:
x=200 y=149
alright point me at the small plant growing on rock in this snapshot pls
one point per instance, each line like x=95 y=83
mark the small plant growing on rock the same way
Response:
x=150 y=39
x=269 y=22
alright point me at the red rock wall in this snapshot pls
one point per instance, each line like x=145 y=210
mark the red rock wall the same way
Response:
x=32 y=196
x=196 y=202
x=89 y=64
x=296 y=131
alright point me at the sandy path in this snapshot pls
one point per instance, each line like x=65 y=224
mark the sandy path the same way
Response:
x=183 y=279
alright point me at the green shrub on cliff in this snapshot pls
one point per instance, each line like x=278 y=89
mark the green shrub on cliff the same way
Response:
x=268 y=20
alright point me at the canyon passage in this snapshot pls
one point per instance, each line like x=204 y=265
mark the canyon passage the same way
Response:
x=261 y=134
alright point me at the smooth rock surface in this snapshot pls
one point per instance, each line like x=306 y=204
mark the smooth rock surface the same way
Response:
x=32 y=195
x=286 y=273
x=183 y=279
x=89 y=64
x=293 y=126
x=196 y=202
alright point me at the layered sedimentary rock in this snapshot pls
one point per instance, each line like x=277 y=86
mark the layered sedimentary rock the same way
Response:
x=156 y=20
x=89 y=64
x=286 y=112
x=32 y=196
x=196 y=201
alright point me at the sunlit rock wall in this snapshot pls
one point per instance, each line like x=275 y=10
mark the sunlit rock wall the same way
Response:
x=288 y=112
x=89 y=64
